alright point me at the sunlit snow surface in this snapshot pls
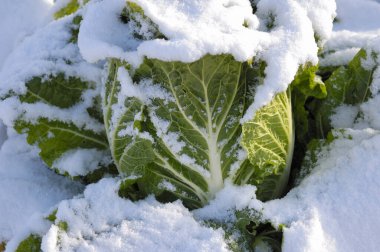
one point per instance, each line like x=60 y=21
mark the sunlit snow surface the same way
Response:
x=336 y=208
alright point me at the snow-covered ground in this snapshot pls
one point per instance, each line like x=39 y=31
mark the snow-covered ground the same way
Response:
x=29 y=189
x=335 y=208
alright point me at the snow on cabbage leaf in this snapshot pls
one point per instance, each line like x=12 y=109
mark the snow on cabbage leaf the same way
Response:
x=54 y=97
x=176 y=127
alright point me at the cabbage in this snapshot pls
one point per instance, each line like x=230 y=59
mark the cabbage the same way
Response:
x=174 y=128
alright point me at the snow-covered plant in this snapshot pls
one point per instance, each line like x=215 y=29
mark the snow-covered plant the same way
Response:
x=182 y=103
x=184 y=118
x=175 y=129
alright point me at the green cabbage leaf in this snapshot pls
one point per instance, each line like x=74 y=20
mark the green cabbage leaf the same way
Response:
x=174 y=128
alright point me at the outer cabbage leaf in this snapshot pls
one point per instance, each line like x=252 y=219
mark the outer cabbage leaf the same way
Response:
x=186 y=135
x=174 y=128
x=345 y=85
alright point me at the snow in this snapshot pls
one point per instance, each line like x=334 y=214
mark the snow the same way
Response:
x=102 y=34
x=102 y=221
x=352 y=18
x=335 y=208
x=320 y=14
x=45 y=53
x=28 y=188
x=81 y=161
x=196 y=28
x=344 y=116
x=229 y=199
x=371 y=114
x=14 y=29
x=355 y=28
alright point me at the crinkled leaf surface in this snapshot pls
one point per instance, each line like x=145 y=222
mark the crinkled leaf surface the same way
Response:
x=306 y=85
x=54 y=138
x=269 y=141
x=55 y=90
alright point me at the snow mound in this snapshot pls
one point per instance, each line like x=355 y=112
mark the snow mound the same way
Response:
x=102 y=221
x=337 y=207
x=28 y=189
